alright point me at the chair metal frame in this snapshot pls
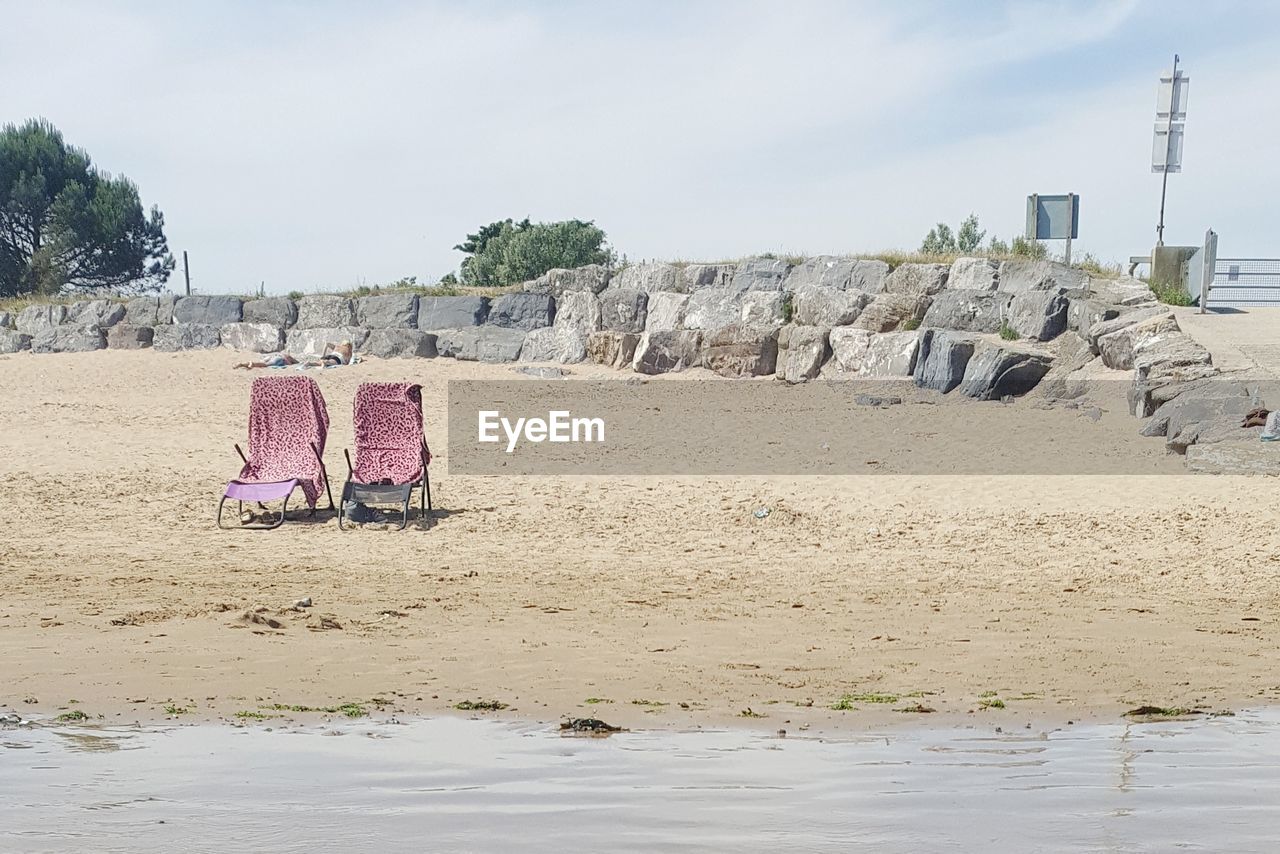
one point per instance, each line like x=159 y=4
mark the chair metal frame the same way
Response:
x=396 y=493
x=324 y=473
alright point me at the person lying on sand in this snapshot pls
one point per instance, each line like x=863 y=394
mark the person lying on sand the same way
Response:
x=334 y=354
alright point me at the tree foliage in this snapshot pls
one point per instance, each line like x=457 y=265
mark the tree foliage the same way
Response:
x=941 y=240
x=506 y=252
x=66 y=225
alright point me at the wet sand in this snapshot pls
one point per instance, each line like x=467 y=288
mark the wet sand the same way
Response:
x=1068 y=597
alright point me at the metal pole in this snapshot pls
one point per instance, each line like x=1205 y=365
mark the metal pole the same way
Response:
x=186 y=271
x=1071 y=216
x=1209 y=270
x=1168 y=148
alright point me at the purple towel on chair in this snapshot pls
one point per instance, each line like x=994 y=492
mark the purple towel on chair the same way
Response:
x=287 y=416
x=388 y=422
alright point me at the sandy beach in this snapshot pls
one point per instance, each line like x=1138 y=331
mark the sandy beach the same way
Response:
x=663 y=598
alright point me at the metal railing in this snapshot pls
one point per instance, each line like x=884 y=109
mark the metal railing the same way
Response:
x=1246 y=282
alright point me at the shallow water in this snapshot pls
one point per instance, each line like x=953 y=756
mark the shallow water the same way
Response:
x=450 y=784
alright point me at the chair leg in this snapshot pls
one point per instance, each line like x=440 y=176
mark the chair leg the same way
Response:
x=426 y=483
x=342 y=506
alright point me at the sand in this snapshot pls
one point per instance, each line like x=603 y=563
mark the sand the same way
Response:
x=1070 y=597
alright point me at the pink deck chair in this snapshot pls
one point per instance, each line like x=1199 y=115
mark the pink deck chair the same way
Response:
x=288 y=425
x=391 y=452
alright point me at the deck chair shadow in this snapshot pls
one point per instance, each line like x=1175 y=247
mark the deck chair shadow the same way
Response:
x=288 y=426
x=392 y=456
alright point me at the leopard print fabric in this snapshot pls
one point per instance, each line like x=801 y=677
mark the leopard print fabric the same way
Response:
x=388 y=422
x=286 y=416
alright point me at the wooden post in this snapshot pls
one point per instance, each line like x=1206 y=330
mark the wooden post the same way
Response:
x=186 y=271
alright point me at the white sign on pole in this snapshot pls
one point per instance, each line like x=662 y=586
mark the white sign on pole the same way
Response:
x=1172 y=96
x=1166 y=147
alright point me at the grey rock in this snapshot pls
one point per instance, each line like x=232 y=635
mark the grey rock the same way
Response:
x=400 y=344
x=278 y=311
x=1204 y=402
x=838 y=273
x=816 y=306
x=541 y=372
x=80 y=338
x=211 y=310
x=325 y=311
x=98 y=312
x=665 y=311
x=999 y=371
x=12 y=341
x=591 y=278
x=481 y=343
x=6 y=320
x=1123 y=321
x=1235 y=458
x=762 y=308
x=1018 y=275
x=1118 y=348
x=943 y=359
x=712 y=308
x=251 y=337
x=387 y=311
x=761 y=274
x=666 y=352
x=1067 y=378
x=1174 y=348
x=967 y=310
x=563 y=344
x=126 y=336
x=1038 y=315
x=1155 y=385
x=37 y=318
x=892 y=354
x=613 y=349
x=654 y=276
x=1122 y=291
x=311 y=341
x=802 y=351
x=150 y=311
x=172 y=337
x=623 y=310
x=1084 y=312
x=917 y=279
x=887 y=312
x=849 y=348
x=695 y=277
x=522 y=311
x=451 y=312
x=578 y=310
x=741 y=351
x=974 y=274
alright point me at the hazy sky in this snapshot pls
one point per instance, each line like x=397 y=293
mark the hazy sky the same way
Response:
x=325 y=144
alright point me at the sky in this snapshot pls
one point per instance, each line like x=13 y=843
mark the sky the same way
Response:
x=320 y=145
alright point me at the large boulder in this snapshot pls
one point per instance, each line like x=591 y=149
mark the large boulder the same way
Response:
x=917 y=279
x=762 y=308
x=967 y=310
x=451 y=312
x=712 y=308
x=522 y=311
x=664 y=311
x=1123 y=320
x=35 y=319
x=761 y=274
x=252 y=337
x=564 y=344
x=1039 y=315
x=1004 y=370
x=652 y=276
x=1084 y=312
x=1209 y=408
x=943 y=359
x=12 y=341
x=849 y=348
x=278 y=311
x=592 y=278
x=802 y=350
x=578 y=310
x=838 y=273
x=820 y=306
x=387 y=311
x=664 y=352
x=1159 y=383
x=313 y=341
x=211 y=310
x=150 y=311
x=974 y=274
x=613 y=349
x=325 y=311
x=1018 y=275
x=695 y=277
x=481 y=343
x=172 y=337
x=623 y=310
x=887 y=312
x=399 y=343
x=1238 y=458
x=1118 y=348
x=80 y=338
x=741 y=351
x=6 y=320
x=1122 y=291
x=892 y=354
x=97 y=312
x=126 y=336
